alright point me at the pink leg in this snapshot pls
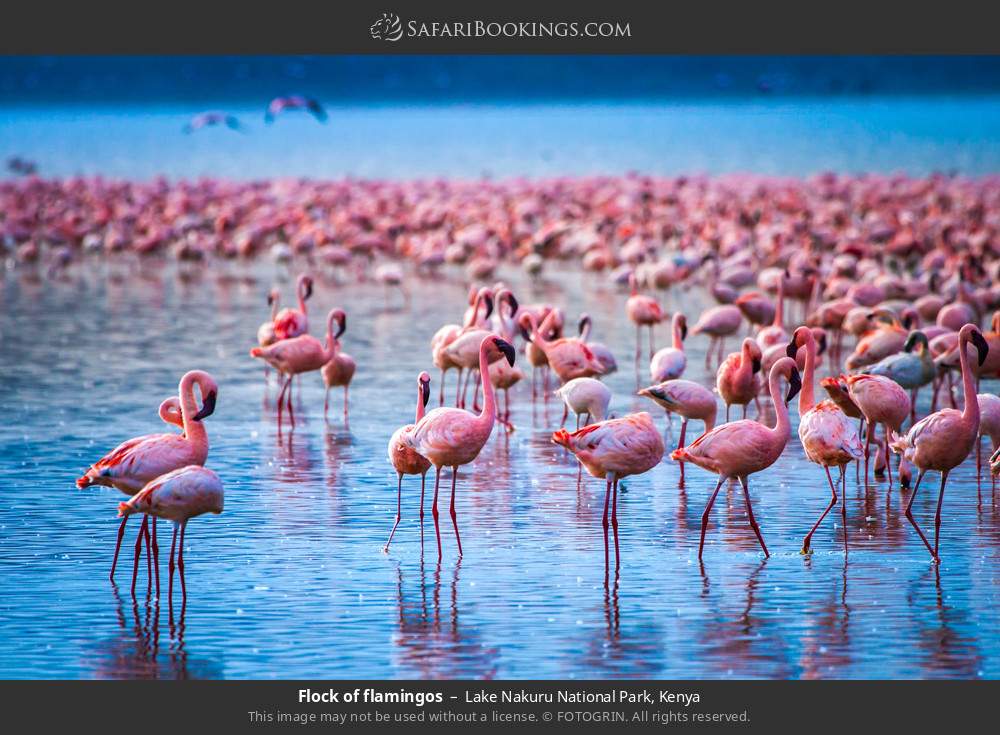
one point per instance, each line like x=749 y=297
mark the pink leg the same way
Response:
x=399 y=510
x=614 y=519
x=843 y=504
x=753 y=521
x=454 y=516
x=651 y=350
x=607 y=501
x=638 y=342
x=170 y=566
x=909 y=515
x=888 y=454
x=180 y=562
x=458 y=389
x=138 y=555
x=869 y=438
x=937 y=517
x=680 y=445
x=149 y=557
x=434 y=508
x=441 y=392
x=156 y=558
x=326 y=403
x=118 y=546
x=346 y=388
x=704 y=516
x=566 y=414
x=833 y=501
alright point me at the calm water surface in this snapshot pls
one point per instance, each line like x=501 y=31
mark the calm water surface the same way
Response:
x=291 y=582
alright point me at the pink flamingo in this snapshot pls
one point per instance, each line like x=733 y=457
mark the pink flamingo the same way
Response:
x=134 y=463
x=452 y=437
x=448 y=334
x=585 y=396
x=669 y=362
x=775 y=334
x=288 y=322
x=740 y=449
x=301 y=354
x=177 y=496
x=736 y=379
x=404 y=459
x=989 y=425
x=338 y=372
x=827 y=435
x=612 y=450
x=568 y=357
x=644 y=312
x=718 y=322
x=687 y=399
x=265 y=332
x=882 y=401
x=294 y=102
x=942 y=440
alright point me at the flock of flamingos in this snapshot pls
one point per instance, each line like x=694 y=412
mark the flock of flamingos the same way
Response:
x=874 y=287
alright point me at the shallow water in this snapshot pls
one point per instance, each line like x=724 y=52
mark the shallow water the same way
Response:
x=290 y=580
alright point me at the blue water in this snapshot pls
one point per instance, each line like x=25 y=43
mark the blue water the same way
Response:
x=780 y=135
x=290 y=580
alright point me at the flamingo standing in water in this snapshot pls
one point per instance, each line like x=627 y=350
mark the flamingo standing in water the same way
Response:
x=338 y=372
x=134 y=463
x=740 y=449
x=736 y=379
x=942 y=440
x=669 y=362
x=301 y=354
x=601 y=351
x=585 y=396
x=686 y=398
x=177 y=496
x=265 y=332
x=452 y=437
x=443 y=339
x=989 y=425
x=404 y=459
x=644 y=311
x=827 y=435
x=289 y=322
x=718 y=322
x=568 y=357
x=612 y=450
x=882 y=401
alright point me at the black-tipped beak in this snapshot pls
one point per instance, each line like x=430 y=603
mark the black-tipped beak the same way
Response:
x=506 y=348
x=270 y=299
x=684 y=330
x=514 y=306
x=822 y=344
x=425 y=390
x=794 y=385
x=792 y=349
x=982 y=347
x=207 y=408
x=582 y=324
x=488 y=300
x=756 y=365
x=309 y=289
x=342 y=321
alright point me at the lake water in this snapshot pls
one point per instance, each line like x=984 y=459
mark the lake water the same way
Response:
x=290 y=581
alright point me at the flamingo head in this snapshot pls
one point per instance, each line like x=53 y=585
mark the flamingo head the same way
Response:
x=341 y=318
x=505 y=347
x=424 y=383
x=272 y=297
x=585 y=322
x=794 y=384
x=207 y=405
x=512 y=303
x=682 y=324
x=971 y=333
x=305 y=286
x=916 y=337
x=819 y=334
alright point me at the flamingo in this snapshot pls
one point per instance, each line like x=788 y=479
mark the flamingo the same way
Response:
x=265 y=332
x=718 y=322
x=504 y=377
x=404 y=459
x=452 y=437
x=942 y=440
x=736 y=379
x=882 y=401
x=585 y=396
x=294 y=102
x=826 y=433
x=669 y=362
x=447 y=334
x=687 y=399
x=887 y=338
x=338 y=372
x=301 y=354
x=177 y=496
x=775 y=334
x=740 y=449
x=911 y=370
x=568 y=357
x=134 y=463
x=989 y=425
x=644 y=311
x=289 y=323
x=612 y=450
x=212 y=119
x=600 y=350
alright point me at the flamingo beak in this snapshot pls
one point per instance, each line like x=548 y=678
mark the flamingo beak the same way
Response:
x=583 y=323
x=756 y=365
x=342 y=321
x=309 y=289
x=910 y=343
x=794 y=385
x=514 y=306
x=982 y=346
x=270 y=299
x=207 y=408
x=425 y=391
x=488 y=300
x=684 y=329
x=506 y=348
x=792 y=349
x=822 y=344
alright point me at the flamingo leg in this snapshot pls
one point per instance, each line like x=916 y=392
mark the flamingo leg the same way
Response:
x=843 y=504
x=156 y=558
x=833 y=502
x=441 y=392
x=149 y=557
x=566 y=415
x=138 y=554
x=937 y=517
x=118 y=546
x=888 y=455
x=180 y=562
x=434 y=508
x=680 y=444
x=909 y=514
x=458 y=388
x=454 y=516
x=704 y=516
x=170 y=566
x=291 y=418
x=607 y=500
x=399 y=510
x=744 y=411
x=753 y=521
x=578 y=422
x=614 y=519
x=326 y=403
x=346 y=402
x=281 y=398
x=638 y=342
x=869 y=438
x=651 y=350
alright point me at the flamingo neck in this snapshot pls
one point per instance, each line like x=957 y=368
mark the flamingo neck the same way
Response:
x=536 y=333
x=585 y=332
x=473 y=312
x=331 y=343
x=807 y=398
x=746 y=360
x=302 y=299
x=488 y=414
x=274 y=309
x=420 y=403
x=194 y=431
x=678 y=343
x=971 y=411
x=779 y=309
x=783 y=426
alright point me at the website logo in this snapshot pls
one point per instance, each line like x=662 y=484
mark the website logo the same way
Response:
x=387 y=28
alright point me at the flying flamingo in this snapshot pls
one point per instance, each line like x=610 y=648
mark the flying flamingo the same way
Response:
x=452 y=437
x=289 y=322
x=687 y=399
x=339 y=371
x=134 y=463
x=942 y=440
x=882 y=401
x=736 y=379
x=177 y=496
x=612 y=450
x=644 y=312
x=404 y=459
x=718 y=322
x=669 y=362
x=301 y=354
x=740 y=449
x=212 y=119
x=294 y=102
x=827 y=435
x=585 y=396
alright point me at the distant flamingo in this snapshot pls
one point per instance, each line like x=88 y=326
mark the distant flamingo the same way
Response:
x=265 y=332
x=289 y=323
x=943 y=440
x=669 y=362
x=452 y=437
x=775 y=334
x=294 y=102
x=405 y=459
x=338 y=372
x=827 y=435
x=740 y=449
x=568 y=357
x=301 y=354
x=736 y=379
x=177 y=496
x=644 y=311
x=687 y=399
x=600 y=350
x=447 y=334
x=585 y=396
x=212 y=119
x=883 y=402
x=989 y=425
x=718 y=322
x=134 y=463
